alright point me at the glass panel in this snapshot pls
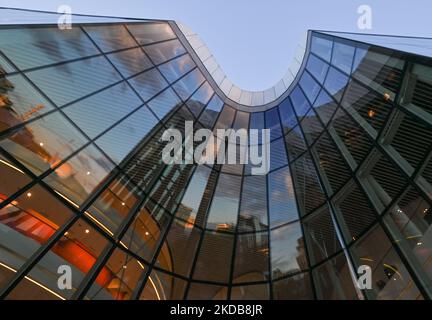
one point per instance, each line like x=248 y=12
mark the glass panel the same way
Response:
x=151 y=32
x=42 y=144
x=76 y=179
x=317 y=68
x=164 y=103
x=79 y=248
x=149 y=84
x=253 y=205
x=331 y=164
x=26 y=223
x=352 y=135
x=371 y=107
x=322 y=46
x=312 y=127
x=287 y=115
x=295 y=143
x=412 y=217
x=278 y=156
x=192 y=198
x=253 y=292
x=162 y=286
x=130 y=62
x=391 y=280
x=188 y=84
x=310 y=87
x=321 y=235
x=12 y=179
x=353 y=203
x=33 y=47
x=182 y=242
x=333 y=280
x=112 y=207
x=87 y=113
x=120 y=141
x=282 y=203
x=287 y=250
x=199 y=291
x=301 y=105
x=307 y=185
x=110 y=37
x=325 y=107
x=272 y=123
x=176 y=68
x=335 y=83
x=19 y=102
x=343 y=56
x=214 y=260
x=121 y=274
x=68 y=82
x=224 y=208
x=164 y=51
x=296 y=287
x=143 y=235
x=200 y=98
x=251 y=258
x=211 y=112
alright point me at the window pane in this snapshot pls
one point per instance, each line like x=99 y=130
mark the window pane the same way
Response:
x=188 y=84
x=164 y=51
x=68 y=82
x=322 y=46
x=148 y=84
x=78 y=248
x=297 y=287
x=174 y=69
x=210 y=113
x=317 y=68
x=81 y=175
x=281 y=198
x=109 y=38
x=130 y=62
x=287 y=250
x=253 y=206
x=214 y=260
x=301 y=105
x=200 y=98
x=192 y=198
x=42 y=144
x=334 y=281
x=310 y=86
x=391 y=280
x=251 y=258
x=223 y=212
x=165 y=102
x=87 y=113
x=19 y=102
x=343 y=56
x=33 y=47
x=151 y=32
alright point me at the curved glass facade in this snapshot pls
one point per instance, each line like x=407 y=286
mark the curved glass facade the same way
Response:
x=83 y=184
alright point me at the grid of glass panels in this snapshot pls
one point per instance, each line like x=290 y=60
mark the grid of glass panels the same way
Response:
x=83 y=183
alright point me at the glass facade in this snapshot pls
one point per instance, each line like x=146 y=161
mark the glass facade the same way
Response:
x=83 y=184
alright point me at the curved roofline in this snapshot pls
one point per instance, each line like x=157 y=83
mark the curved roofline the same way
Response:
x=243 y=99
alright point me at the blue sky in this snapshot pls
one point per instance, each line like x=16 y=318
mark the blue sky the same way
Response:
x=255 y=40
